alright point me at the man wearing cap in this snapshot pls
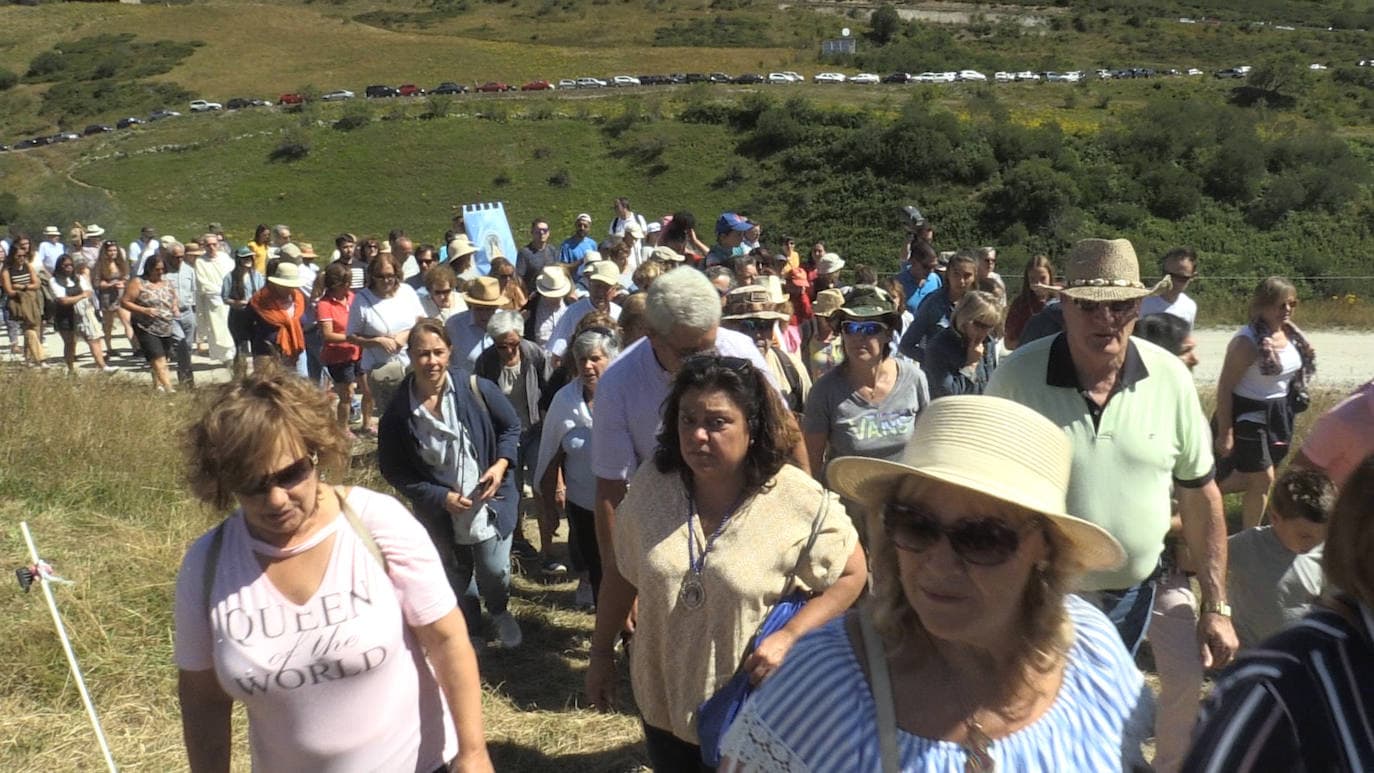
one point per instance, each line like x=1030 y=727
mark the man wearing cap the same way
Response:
x=181 y=275
x=467 y=330
x=547 y=304
x=276 y=312
x=936 y=310
x=531 y=259
x=603 y=278
x=50 y=249
x=212 y=314
x=751 y=311
x=730 y=230
x=1138 y=433
x=575 y=247
x=147 y=239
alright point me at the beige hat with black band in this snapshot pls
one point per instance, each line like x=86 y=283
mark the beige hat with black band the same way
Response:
x=989 y=446
x=1105 y=270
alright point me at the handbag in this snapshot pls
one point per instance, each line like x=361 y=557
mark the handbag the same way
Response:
x=718 y=712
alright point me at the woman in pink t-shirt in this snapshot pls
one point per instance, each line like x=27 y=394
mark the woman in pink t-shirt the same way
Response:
x=338 y=356
x=284 y=606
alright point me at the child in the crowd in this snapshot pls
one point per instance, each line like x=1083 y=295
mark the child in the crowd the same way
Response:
x=1276 y=570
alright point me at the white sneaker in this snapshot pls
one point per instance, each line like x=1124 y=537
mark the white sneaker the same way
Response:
x=508 y=634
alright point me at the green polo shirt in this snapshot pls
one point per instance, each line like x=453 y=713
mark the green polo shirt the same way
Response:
x=1127 y=456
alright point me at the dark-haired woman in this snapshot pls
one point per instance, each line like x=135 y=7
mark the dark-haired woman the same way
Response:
x=705 y=540
x=680 y=235
x=111 y=275
x=19 y=279
x=1036 y=280
x=239 y=287
x=76 y=313
x=152 y=301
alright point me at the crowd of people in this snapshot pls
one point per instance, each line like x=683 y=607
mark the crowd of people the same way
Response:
x=896 y=523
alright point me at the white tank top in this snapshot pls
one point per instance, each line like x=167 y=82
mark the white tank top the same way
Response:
x=1259 y=386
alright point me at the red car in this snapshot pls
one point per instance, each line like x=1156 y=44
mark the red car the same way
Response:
x=537 y=86
x=410 y=90
x=291 y=99
x=491 y=86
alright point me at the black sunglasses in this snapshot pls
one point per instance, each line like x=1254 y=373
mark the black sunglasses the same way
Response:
x=981 y=541
x=288 y=477
x=1181 y=277
x=755 y=325
x=1115 y=307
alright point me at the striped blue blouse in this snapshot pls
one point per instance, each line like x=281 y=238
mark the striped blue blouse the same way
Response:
x=817 y=713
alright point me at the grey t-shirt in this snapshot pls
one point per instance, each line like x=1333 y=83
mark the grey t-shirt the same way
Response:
x=856 y=427
x=1269 y=586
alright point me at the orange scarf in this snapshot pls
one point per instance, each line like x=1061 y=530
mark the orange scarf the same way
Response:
x=274 y=311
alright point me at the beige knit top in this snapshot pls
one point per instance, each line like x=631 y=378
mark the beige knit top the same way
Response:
x=682 y=656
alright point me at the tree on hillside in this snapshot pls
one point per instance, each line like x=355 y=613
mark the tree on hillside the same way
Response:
x=1278 y=77
x=884 y=24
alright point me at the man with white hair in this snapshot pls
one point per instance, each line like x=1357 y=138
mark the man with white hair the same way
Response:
x=682 y=311
x=281 y=236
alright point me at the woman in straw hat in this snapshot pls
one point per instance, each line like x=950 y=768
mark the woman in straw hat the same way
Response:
x=1302 y=699
x=712 y=533
x=379 y=321
x=972 y=654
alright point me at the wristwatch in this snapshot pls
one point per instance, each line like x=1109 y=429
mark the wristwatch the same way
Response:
x=1216 y=608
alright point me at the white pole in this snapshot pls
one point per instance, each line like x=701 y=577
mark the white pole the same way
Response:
x=67 y=648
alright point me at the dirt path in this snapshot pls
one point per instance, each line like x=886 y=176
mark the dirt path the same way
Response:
x=1345 y=358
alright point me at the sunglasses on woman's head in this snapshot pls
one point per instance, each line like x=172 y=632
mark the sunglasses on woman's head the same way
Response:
x=985 y=541
x=288 y=477
x=863 y=328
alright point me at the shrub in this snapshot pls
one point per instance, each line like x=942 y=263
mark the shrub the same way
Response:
x=7 y=79
x=561 y=179
x=9 y=208
x=437 y=106
x=294 y=146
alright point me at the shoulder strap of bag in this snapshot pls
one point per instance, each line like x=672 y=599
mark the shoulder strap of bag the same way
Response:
x=880 y=682
x=211 y=566
x=477 y=393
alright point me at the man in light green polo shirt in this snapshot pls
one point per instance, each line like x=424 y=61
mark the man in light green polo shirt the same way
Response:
x=1138 y=433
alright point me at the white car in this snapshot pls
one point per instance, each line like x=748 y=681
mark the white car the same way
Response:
x=866 y=78
x=1316 y=66
x=971 y=75
x=1192 y=71
x=624 y=80
x=828 y=77
x=566 y=83
x=779 y=77
x=590 y=83
x=1003 y=77
x=794 y=76
x=338 y=95
x=1105 y=75
x=1072 y=76
x=201 y=106
x=1027 y=75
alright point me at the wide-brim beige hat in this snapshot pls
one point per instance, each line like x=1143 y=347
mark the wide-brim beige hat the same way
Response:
x=989 y=446
x=94 y=230
x=287 y=275
x=750 y=302
x=827 y=302
x=461 y=246
x=553 y=282
x=52 y=230
x=484 y=291
x=667 y=255
x=829 y=263
x=604 y=271
x=1104 y=270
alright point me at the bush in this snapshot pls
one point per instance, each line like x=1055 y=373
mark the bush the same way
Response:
x=437 y=106
x=9 y=208
x=356 y=116
x=294 y=146
x=8 y=79
x=561 y=179
x=89 y=59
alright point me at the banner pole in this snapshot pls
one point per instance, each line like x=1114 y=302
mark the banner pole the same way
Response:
x=67 y=648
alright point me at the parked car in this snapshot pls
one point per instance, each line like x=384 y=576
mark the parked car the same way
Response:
x=410 y=90
x=291 y=98
x=697 y=77
x=653 y=80
x=449 y=87
x=238 y=103
x=202 y=106
x=749 y=77
x=537 y=86
x=717 y=77
x=864 y=78
x=63 y=137
x=31 y=142
x=590 y=83
x=897 y=77
x=158 y=115
x=566 y=83
x=3 y=147
x=97 y=128
x=1073 y=76
x=125 y=123
x=777 y=77
x=492 y=87
x=971 y=75
x=828 y=77
x=624 y=80
x=1027 y=75
x=337 y=95
x=1229 y=72
x=380 y=91
x=1003 y=77
x=1316 y=66
x=1192 y=71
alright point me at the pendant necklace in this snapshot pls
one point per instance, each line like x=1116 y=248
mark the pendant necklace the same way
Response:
x=693 y=592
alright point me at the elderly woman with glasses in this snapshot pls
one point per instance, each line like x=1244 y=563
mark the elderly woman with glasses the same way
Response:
x=972 y=654
x=379 y=321
x=322 y=608
x=706 y=540
x=866 y=405
x=961 y=358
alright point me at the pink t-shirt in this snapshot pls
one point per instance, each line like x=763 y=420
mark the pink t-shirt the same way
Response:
x=1342 y=437
x=336 y=311
x=339 y=683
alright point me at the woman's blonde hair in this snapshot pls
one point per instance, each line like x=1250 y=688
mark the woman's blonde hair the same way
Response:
x=978 y=306
x=1270 y=291
x=245 y=423
x=1350 y=536
x=1045 y=630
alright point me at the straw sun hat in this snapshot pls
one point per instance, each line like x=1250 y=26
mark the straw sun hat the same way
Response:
x=991 y=446
x=484 y=291
x=1105 y=270
x=553 y=282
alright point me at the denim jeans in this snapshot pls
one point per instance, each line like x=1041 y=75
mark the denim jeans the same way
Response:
x=670 y=754
x=482 y=571
x=184 y=342
x=1128 y=609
